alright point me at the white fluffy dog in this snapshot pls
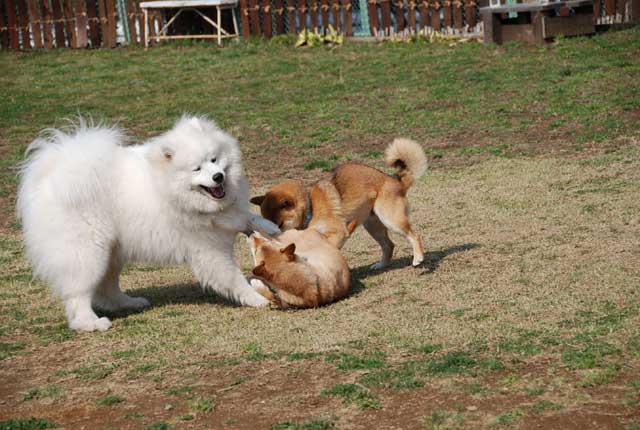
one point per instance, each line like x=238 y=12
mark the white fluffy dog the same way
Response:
x=89 y=204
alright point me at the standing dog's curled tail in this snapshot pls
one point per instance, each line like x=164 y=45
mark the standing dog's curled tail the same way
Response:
x=408 y=157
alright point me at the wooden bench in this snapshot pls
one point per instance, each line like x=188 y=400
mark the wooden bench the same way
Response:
x=194 y=5
x=537 y=22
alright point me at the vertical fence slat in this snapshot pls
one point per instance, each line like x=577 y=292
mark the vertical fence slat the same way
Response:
x=266 y=18
x=70 y=23
x=621 y=9
x=635 y=11
x=457 y=14
x=424 y=11
x=385 y=7
x=255 y=17
x=81 y=23
x=411 y=16
x=58 y=25
x=313 y=13
x=12 y=23
x=23 y=20
x=373 y=16
x=131 y=19
x=36 y=23
x=302 y=15
x=94 y=29
x=291 y=16
x=448 y=15
x=470 y=13
x=347 y=18
x=435 y=15
x=609 y=7
x=4 y=31
x=335 y=14
x=597 y=11
x=47 y=34
x=400 y=15
x=104 y=28
x=112 y=19
x=324 y=7
x=279 y=13
x=244 y=17
x=141 y=29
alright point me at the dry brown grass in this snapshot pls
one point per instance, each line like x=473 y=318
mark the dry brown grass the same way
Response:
x=526 y=260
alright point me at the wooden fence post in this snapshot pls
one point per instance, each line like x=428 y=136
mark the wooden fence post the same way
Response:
x=411 y=16
x=324 y=7
x=457 y=14
x=255 y=17
x=424 y=11
x=279 y=12
x=23 y=20
x=58 y=25
x=70 y=23
x=81 y=24
x=92 y=17
x=112 y=18
x=302 y=15
x=45 y=13
x=12 y=23
x=470 y=13
x=347 y=19
x=400 y=15
x=131 y=19
x=373 y=16
x=435 y=15
x=4 y=30
x=266 y=18
x=291 y=16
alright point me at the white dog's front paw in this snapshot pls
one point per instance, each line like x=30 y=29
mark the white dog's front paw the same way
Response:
x=263 y=226
x=254 y=299
x=417 y=261
x=90 y=324
x=257 y=283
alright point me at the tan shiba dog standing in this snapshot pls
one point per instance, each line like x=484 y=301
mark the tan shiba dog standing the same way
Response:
x=367 y=196
x=302 y=268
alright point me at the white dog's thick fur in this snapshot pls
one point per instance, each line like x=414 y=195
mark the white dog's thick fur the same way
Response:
x=89 y=204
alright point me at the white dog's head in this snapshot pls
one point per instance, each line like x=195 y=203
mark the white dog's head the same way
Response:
x=201 y=165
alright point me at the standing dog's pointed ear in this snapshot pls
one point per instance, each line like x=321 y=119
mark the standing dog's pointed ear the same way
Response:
x=257 y=200
x=290 y=251
x=260 y=271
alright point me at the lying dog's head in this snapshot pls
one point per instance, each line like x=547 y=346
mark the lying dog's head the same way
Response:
x=284 y=204
x=269 y=258
x=199 y=165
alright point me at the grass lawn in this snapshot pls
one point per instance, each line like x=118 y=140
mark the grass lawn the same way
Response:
x=524 y=315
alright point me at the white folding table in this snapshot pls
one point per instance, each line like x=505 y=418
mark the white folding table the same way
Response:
x=194 y=5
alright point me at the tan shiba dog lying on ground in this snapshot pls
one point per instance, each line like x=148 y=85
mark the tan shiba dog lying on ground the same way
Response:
x=302 y=268
x=367 y=196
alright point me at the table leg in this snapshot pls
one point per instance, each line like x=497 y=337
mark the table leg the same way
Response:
x=219 y=16
x=146 y=29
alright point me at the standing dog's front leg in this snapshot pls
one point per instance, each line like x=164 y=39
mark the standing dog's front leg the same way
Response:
x=215 y=268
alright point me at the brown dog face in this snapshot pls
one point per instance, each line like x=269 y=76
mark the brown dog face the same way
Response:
x=270 y=259
x=284 y=204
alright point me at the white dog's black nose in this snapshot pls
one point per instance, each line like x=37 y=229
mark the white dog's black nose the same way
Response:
x=218 y=178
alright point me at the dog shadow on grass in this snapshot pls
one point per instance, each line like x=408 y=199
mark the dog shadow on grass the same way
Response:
x=430 y=264
x=193 y=293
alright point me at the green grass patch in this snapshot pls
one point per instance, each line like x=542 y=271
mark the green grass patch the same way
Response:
x=509 y=417
x=157 y=426
x=202 y=404
x=545 y=405
x=353 y=393
x=452 y=362
x=317 y=424
x=27 y=424
x=110 y=400
x=53 y=391
x=8 y=349
x=368 y=360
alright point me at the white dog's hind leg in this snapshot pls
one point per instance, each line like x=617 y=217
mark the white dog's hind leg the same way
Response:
x=109 y=297
x=80 y=315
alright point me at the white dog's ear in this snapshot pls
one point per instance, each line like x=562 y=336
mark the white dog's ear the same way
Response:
x=197 y=123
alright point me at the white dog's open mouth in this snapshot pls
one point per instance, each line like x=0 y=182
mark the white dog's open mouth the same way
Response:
x=217 y=191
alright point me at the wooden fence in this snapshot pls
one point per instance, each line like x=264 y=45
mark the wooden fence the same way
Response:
x=28 y=24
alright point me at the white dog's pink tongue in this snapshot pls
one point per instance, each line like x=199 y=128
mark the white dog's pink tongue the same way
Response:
x=217 y=192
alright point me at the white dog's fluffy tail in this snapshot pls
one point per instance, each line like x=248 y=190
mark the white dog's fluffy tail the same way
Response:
x=408 y=157
x=82 y=144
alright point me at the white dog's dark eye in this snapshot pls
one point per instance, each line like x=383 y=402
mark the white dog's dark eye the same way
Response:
x=197 y=169
x=213 y=160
